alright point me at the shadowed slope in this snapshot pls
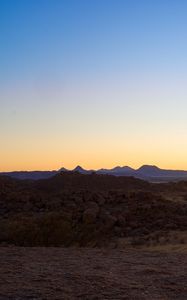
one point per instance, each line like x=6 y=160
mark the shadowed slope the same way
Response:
x=73 y=209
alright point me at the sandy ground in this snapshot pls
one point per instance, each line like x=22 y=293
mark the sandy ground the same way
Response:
x=58 y=273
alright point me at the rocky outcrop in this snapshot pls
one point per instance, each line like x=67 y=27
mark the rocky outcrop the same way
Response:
x=87 y=210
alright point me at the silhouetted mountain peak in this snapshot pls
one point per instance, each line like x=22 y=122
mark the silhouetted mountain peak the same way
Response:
x=78 y=169
x=81 y=170
x=148 y=168
x=63 y=169
x=127 y=168
x=118 y=168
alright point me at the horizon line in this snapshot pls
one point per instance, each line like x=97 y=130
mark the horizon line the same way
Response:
x=91 y=169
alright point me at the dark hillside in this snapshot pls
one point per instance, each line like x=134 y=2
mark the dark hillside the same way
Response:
x=78 y=181
x=73 y=209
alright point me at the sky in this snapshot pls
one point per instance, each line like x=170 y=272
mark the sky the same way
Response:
x=93 y=83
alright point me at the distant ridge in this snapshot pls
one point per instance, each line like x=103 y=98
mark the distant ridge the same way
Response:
x=146 y=172
x=148 y=168
x=81 y=170
x=63 y=170
x=116 y=170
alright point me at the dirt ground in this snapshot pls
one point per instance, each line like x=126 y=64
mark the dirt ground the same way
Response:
x=58 y=273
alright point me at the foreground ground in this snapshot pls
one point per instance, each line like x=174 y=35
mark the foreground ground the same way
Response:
x=64 y=273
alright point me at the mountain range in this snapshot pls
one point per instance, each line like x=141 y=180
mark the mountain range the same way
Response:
x=145 y=172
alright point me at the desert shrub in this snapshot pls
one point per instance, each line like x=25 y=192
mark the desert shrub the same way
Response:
x=22 y=231
x=54 y=230
x=138 y=241
x=48 y=230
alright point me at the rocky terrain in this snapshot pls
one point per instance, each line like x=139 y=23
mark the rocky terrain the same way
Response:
x=90 y=236
x=58 y=273
x=73 y=209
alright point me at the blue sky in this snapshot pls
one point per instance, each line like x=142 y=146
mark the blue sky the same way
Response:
x=96 y=83
x=91 y=37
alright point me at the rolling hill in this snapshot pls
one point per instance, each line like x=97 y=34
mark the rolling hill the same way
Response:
x=145 y=172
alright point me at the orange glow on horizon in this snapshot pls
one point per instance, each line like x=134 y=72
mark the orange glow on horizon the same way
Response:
x=48 y=163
